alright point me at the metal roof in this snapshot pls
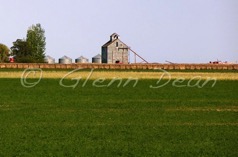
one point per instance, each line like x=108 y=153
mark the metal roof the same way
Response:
x=81 y=57
x=97 y=56
x=48 y=57
x=65 y=57
x=112 y=41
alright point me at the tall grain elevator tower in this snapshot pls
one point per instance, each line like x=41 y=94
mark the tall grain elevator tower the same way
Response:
x=115 y=51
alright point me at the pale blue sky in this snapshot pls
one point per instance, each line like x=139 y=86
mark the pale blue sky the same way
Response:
x=176 y=30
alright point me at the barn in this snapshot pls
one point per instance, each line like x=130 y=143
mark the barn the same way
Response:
x=115 y=51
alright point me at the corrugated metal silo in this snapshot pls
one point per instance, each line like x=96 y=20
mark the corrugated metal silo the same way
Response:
x=81 y=59
x=97 y=59
x=49 y=60
x=65 y=60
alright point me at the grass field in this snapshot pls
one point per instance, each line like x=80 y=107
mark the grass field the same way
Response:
x=52 y=120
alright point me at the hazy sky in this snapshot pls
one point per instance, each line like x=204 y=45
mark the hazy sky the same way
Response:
x=175 y=30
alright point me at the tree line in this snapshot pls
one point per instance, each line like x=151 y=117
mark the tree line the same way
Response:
x=29 y=50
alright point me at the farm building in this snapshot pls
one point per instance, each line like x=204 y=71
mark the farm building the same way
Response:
x=97 y=59
x=65 y=60
x=49 y=60
x=81 y=59
x=115 y=51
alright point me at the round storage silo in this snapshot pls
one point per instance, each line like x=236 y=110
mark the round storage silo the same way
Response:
x=49 y=60
x=81 y=59
x=65 y=60
x=97 y=59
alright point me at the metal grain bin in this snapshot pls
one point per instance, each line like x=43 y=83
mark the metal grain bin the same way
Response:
x=65 y=60
x=81 y=59
x=97 y=59
x=49 y=60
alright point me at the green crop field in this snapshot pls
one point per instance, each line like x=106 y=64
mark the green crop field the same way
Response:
x=101 y=117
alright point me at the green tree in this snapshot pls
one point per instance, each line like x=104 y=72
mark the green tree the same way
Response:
x=31 y=50
x=36 y=42
x=21 y=52
x=4 y=53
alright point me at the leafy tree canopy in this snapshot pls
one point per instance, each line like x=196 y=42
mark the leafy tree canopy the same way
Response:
x=21 y=52
x=31 y=50
x=4 y=53
x=36 y=42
